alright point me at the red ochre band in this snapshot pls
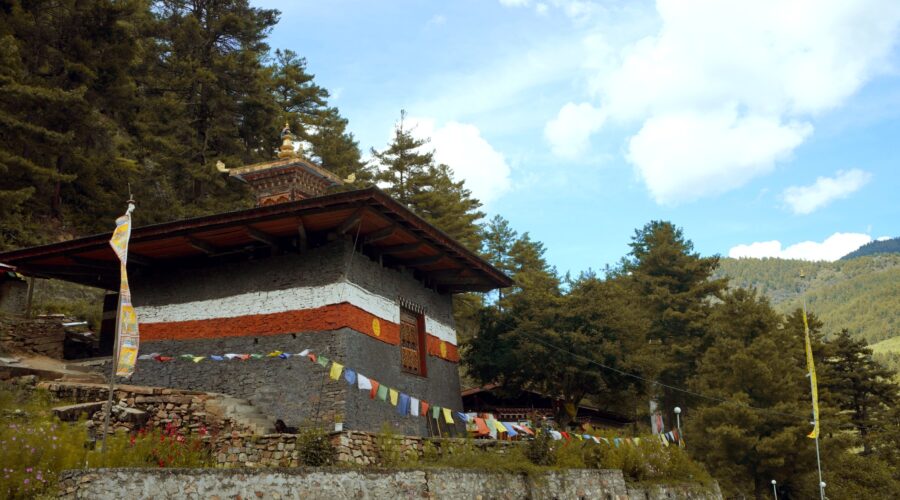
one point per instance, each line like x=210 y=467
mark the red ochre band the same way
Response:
x=330 y=317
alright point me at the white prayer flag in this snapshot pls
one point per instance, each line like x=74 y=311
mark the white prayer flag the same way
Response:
x=363 y=382
x=413 y=406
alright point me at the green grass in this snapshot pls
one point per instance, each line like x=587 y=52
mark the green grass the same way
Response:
x=649 y=462
x=35 y=446
x=887 y=346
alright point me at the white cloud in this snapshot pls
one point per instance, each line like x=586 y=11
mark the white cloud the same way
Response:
x=883 y=238
x=667 y=147
x=751 y=74
x=808 y=199
x=461 y=146
x=570 y=131
x=833 y=248
x=575 y=9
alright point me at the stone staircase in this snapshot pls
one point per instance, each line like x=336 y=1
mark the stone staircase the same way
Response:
x=242 y=414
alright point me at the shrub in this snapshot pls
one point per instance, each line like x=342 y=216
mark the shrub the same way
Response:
x=314 y=447
x=35 y=446
x=540 y=450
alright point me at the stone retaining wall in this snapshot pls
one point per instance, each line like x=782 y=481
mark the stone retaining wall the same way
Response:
x=351 y=447
x=188 y=411
x=44 y=336
x=331 y=483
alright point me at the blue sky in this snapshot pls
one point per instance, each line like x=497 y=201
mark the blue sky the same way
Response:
x=766 y=128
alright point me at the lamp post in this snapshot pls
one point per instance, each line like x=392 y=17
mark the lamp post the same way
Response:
x=774 y=490
x=678 y=420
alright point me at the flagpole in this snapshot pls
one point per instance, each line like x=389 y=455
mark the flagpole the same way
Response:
x=112 y=375
x=813 y=391
x=115 y=354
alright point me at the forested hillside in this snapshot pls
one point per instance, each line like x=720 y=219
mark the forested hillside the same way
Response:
x=99 y=95
x=874 y=247
x=860 y=294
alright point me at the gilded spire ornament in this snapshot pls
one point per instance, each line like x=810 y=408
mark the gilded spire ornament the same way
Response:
x=287 y=143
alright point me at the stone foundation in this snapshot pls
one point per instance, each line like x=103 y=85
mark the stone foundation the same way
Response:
x=331 y=483
x=43 y=336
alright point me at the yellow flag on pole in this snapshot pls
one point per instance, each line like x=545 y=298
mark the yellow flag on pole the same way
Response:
x=128 y=336
x=811 y=367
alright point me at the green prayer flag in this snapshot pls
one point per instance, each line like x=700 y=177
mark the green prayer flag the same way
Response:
x=382 y=392
x=257 y=356
x=435 y=412
x=323 y=361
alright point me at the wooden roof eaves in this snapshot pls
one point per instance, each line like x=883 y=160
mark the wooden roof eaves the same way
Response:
x=372 y=197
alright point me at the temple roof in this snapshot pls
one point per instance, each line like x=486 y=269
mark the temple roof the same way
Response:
x=383 y=229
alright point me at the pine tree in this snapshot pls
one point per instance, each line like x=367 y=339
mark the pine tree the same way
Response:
x=755 y=360
x=403 y=166
x=498 y=238
x=209 y=98
x=335 y=149
x=675 y=286
x=67 y=90
x=859 y=385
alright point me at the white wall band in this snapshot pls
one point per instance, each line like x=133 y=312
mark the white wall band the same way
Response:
x=291 y=299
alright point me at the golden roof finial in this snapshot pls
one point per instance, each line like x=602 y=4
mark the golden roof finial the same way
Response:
x=287 y=143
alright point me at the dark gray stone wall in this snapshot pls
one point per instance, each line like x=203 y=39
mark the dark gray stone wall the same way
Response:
x=294 y=389
x=391 y=283
x=377 y=359
x=318 y=266
x=300 y=392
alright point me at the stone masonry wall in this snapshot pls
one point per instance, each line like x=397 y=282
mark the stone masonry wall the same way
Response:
x=188 y=411
x=293 y=389
x=45 y=336
x=324 y=483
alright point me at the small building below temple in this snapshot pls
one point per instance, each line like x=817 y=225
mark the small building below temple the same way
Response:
x=354 y=276
x=528 y=405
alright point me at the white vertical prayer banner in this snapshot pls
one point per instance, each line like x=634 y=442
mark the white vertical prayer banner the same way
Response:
x=127 y=334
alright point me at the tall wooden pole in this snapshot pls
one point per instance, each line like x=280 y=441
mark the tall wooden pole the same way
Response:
x=112 y=376
x=813 y=391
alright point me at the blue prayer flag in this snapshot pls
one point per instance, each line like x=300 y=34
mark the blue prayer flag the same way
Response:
x=349 y=376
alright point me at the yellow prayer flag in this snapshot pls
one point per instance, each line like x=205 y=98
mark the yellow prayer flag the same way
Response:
x=127 y=334
x=810 y=365
x=393 y=394
x=336 y=369
x=197 y=359
x=447 y=417
x=497 y=425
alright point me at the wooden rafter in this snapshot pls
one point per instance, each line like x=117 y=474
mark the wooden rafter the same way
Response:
x=201 y=245
x=262 y=237
x=380 y=234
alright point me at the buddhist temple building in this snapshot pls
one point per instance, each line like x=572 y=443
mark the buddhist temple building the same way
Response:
x=352 y=275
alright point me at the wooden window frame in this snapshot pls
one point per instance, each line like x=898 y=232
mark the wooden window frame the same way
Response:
x=415 y=344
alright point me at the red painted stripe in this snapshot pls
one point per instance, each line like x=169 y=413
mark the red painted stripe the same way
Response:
x=327 y=318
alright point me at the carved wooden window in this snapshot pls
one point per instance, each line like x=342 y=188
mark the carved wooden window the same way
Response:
x=412 y=342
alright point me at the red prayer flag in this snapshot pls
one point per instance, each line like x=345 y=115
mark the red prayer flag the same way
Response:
x=425 y=407
x=566 y=435
x=481 y=427
x=374 y=390
x=312 y=357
